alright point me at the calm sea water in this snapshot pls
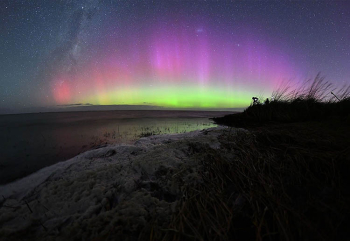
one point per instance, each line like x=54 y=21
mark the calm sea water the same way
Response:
x=30 y=142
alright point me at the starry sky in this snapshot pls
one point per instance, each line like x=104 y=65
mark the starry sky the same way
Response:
x=169 y=54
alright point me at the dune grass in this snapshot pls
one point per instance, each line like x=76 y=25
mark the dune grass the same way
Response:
x=285 y=182
x=285 y=179
x=316 y=100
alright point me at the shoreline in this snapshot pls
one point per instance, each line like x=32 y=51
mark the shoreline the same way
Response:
x=44 y=139
x=36 y=178
x=118 y=178
x=189 y=186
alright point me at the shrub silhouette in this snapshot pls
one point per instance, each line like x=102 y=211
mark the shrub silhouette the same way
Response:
x=315 y=100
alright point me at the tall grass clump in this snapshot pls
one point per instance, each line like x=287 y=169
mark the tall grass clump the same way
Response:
x=317 y=99
x=286 y=182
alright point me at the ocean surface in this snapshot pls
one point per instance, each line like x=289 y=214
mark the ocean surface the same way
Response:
x=29 y=142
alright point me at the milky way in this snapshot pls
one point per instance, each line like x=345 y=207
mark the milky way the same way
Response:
x=175 y=55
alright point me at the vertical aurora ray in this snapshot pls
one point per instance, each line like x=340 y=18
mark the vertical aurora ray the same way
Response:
x=112 y=52
x=179 y=65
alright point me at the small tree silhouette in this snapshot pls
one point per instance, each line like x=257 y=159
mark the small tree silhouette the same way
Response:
x=255 y=100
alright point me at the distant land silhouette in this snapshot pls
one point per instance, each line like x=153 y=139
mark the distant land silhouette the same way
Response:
x=91 y=107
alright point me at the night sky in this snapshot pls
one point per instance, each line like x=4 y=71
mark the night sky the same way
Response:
x=171 y=54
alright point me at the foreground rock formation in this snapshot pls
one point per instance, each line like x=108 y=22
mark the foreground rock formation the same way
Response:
x=112 y=192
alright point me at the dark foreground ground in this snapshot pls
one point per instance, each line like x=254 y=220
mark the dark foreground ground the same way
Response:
x=286 y=181
x=293 y=177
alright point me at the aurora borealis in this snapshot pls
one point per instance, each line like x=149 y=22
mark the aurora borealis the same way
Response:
x=172 y=66
x=170 y=54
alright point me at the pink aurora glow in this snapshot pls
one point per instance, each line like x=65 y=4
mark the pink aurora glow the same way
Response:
x=183 y=55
